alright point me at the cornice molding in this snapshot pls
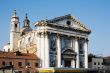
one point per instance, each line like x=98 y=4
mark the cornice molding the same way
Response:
x=68 y=28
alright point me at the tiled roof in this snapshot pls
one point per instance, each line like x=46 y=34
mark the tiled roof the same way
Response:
x=17 y=55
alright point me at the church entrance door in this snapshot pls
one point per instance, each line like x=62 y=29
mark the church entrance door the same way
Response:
x=67 y=63
x=67 y=56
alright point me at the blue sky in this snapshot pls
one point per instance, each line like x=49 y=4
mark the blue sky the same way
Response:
x=93 y=13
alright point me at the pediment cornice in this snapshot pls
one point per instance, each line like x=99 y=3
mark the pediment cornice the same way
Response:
x=53 y=23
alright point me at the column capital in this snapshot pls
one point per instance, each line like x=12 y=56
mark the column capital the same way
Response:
x=58 y=35
x=46 y=33
x=42 y=33
x=86 y=39
x=76 y=37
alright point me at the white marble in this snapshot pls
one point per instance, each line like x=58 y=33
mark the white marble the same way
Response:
x=58 y=52
x=86 y=53
x=77 y=52
x=37 y=40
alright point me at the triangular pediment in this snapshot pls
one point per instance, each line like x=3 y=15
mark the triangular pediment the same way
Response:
x=69 y=21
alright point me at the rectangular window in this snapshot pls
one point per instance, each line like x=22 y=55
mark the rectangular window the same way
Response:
x=19 y=63
x=98 y=63
x=36 y=64
x=10 y=63
x=102 y=63
x=3 y=63
x=19 y=71
x=94 y=63
x=27 y=64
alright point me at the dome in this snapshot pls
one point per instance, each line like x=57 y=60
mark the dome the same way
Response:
x=25 y=30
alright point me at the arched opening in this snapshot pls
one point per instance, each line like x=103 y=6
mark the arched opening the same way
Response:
x=16 y=27
x=68 y=56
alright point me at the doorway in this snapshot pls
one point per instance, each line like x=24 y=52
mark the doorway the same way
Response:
x=67 y=63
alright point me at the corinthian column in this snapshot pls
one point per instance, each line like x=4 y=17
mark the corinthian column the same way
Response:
x=77 y=52
x=42 y=50
x=46 y=51
x=73 y=47
x=86 y=53
x=58 y=51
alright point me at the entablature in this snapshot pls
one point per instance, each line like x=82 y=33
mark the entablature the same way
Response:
x=62 y=32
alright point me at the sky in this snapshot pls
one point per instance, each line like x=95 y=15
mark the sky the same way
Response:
x=95 y=14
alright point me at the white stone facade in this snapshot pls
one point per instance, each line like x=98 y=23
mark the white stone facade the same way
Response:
x=60 y=42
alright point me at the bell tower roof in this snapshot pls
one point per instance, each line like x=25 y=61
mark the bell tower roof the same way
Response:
x=26 y=16
x=26 y=22
x=14 y=14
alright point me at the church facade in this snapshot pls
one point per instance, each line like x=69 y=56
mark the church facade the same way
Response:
x=59 y=42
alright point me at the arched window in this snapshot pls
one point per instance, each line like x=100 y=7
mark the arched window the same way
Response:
x=16 y=27
x=29 y=39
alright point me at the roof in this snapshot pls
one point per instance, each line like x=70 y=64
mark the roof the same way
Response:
x=17 y=55
x=25 y=30
x=107 y=60
x=54 y=21
x=60 y=18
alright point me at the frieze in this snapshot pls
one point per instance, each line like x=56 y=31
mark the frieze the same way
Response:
x=64 y=32
x=69 y=28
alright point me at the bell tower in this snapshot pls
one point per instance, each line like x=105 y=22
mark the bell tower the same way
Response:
x=14 y=32
x=26 y=22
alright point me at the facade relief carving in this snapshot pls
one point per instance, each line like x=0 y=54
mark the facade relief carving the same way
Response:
x=53 y=45
x=81 y=46
x=28 y=43
x=53 y=49
x=66 y=42
x=53 y=60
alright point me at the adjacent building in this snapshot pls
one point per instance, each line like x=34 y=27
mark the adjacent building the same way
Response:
x=96 y=63
x=107 y=62
x=18 y=62
x=58 y=42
